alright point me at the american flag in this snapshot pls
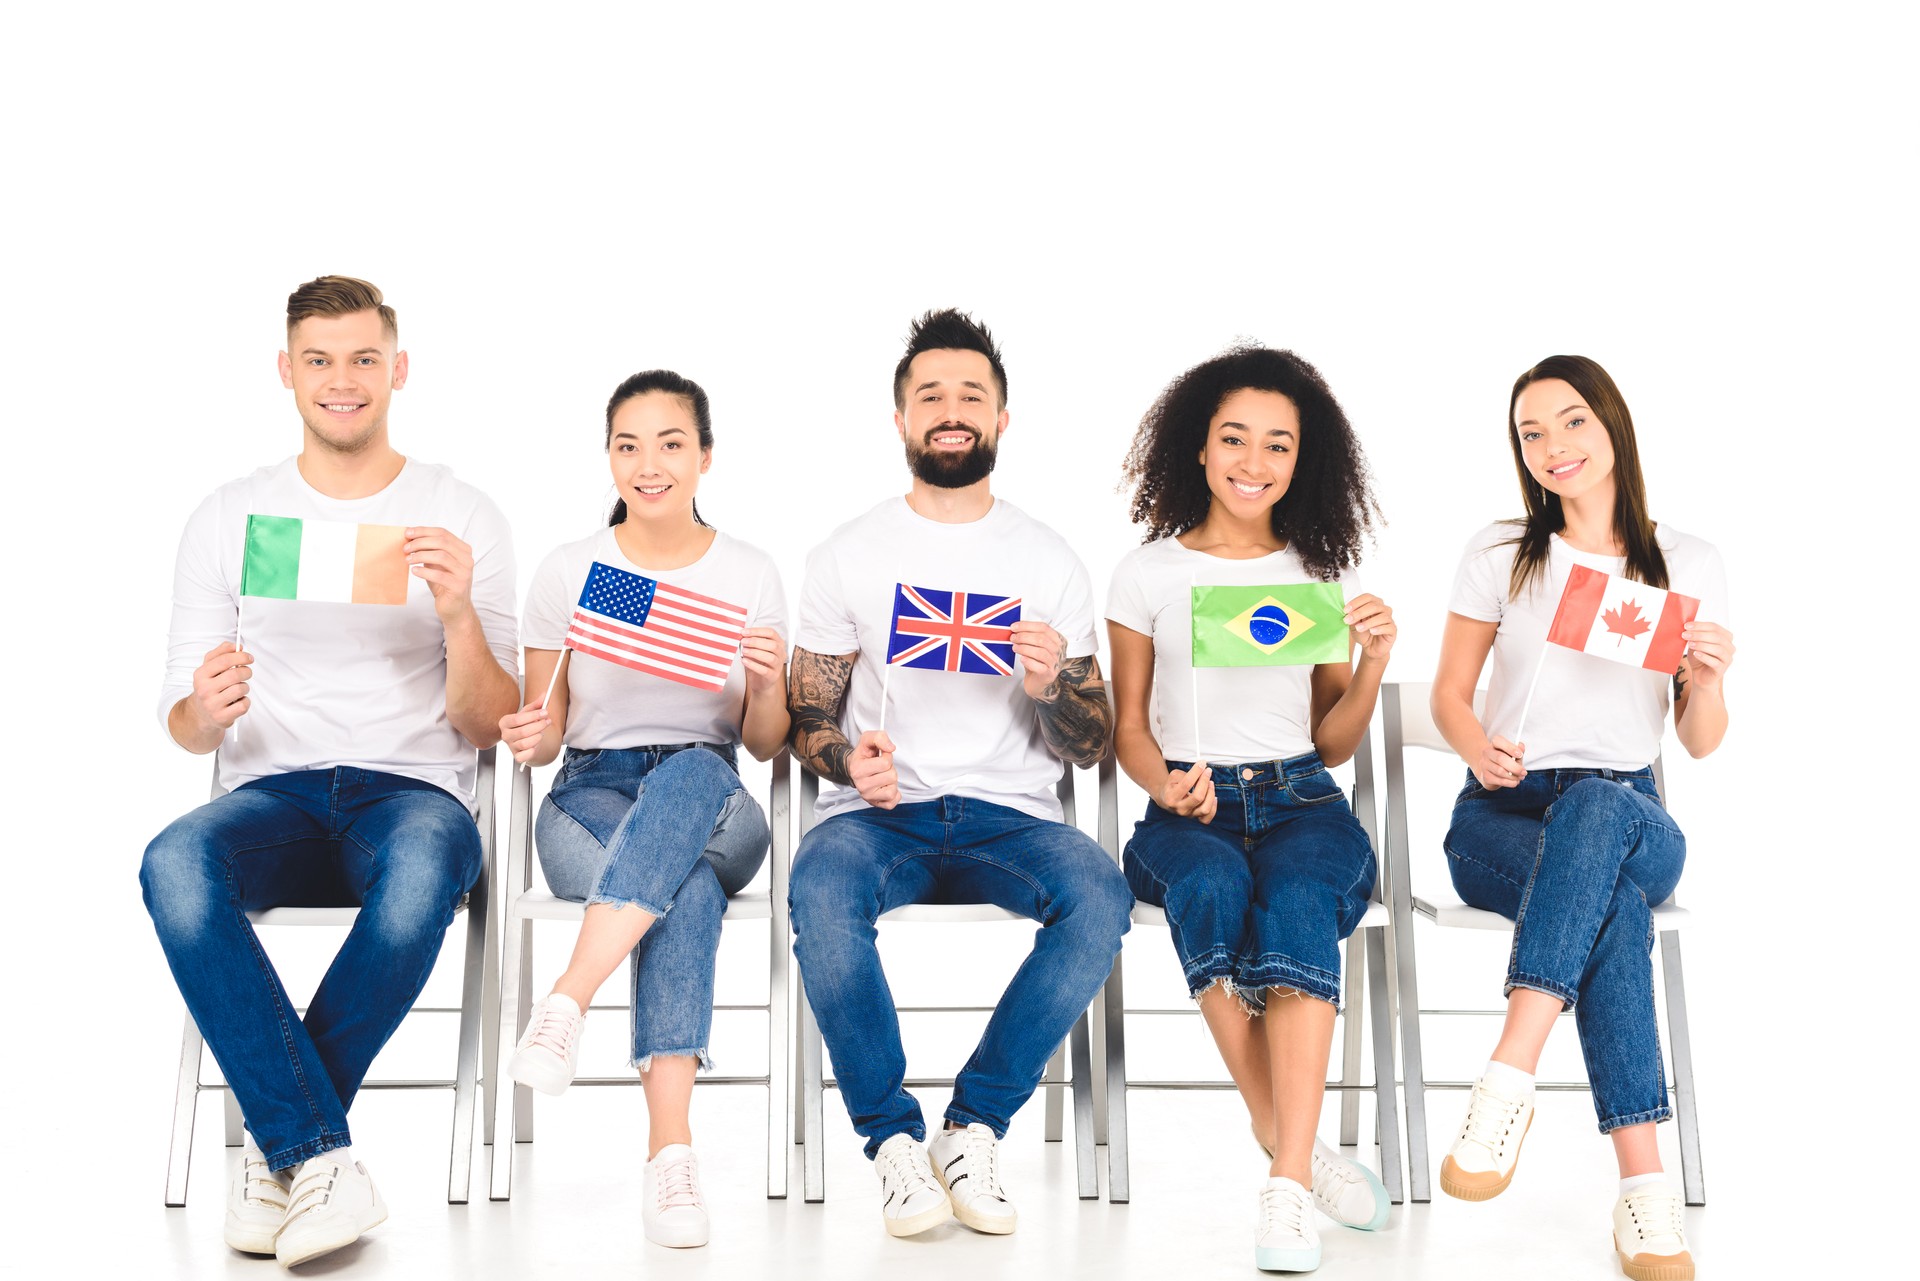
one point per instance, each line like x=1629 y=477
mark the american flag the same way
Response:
x=656 y=628
x=952 y=631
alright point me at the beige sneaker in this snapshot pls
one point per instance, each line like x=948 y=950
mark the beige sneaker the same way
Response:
x=256 y=1202
x=1649 y=1236
x=1481 y=1162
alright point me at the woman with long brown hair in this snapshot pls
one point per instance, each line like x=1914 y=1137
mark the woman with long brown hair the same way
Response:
x=1565 y=833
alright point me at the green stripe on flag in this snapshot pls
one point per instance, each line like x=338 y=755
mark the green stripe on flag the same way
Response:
x=272 y=565
x=1269 y=626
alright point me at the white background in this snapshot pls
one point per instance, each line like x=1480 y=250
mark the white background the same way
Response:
x=1713 y=202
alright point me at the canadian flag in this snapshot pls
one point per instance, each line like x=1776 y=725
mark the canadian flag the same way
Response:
x=1621 y=620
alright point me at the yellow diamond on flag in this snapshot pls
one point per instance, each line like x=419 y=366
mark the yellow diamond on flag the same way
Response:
x=1268 y=626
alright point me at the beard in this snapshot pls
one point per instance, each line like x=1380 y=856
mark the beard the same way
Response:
x=945 y=470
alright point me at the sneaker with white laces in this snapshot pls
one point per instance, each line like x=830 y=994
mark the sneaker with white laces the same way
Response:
x=967 y=1164
x=1286 y=1239
x=256 y=1202
x=911 y=1200
x=1348 y=1192
x=549 y=1051
x=672 y=1210
x=333 y=1204
x=1481 y=1162
x=1649 y=1236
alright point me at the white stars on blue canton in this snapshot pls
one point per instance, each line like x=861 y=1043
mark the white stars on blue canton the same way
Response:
x=616 y=594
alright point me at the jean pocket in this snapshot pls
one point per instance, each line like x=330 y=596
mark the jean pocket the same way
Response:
x=1317 y=788
x=576 y=763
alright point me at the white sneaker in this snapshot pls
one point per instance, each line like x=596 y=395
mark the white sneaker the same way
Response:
x=967 y=1164
x=1481 y=1162
x=1648 y=1234
x=333 y=1205
x=1286 y=1240
x=911 y=1201
x=256 y=1202
x=549 y=1052
x=671 y=1207
x=1348 y=1192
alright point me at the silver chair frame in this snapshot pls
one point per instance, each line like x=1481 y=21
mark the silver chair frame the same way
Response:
x=512 y=1105
x=811 y=1081
x=1369 y=988
x=1394 y=698
x=474 y=1011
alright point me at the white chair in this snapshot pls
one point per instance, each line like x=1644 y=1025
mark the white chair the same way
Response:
x=513 y=1104
x=473 y=1011
x=1368 y=990
x=1409 y=723
x=813 y=1081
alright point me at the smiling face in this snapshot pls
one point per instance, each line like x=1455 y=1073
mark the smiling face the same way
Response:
x=653 y=450
x=343 y=371
x=952 y=420
x=1253 y=444
x=1566 y=447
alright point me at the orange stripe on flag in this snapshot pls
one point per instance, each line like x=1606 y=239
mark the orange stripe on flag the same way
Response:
x=379 y=566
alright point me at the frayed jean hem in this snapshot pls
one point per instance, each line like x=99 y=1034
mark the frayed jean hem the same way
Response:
x=617 y=903
x=1274 y=970
x=644 y=1061
x=1612 y=1123
x=310 y=1149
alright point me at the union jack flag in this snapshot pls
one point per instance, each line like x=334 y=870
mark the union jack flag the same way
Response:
x=952 y=631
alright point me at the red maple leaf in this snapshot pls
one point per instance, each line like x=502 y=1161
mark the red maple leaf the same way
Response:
x=1626 y=622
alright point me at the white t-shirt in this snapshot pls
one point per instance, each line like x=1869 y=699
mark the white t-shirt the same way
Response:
x=954 y=733
x=613 y=706
x=1587 y=712
x=338 y=684
x=1246 y=713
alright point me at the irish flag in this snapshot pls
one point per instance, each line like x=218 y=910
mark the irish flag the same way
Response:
x=324 y=560
x=1621 y=620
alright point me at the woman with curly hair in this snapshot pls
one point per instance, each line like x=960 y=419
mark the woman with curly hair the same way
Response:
x=1565 y=834
x=1246 y=473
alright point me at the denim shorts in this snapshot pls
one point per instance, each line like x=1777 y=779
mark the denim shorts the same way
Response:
x=1262 y=896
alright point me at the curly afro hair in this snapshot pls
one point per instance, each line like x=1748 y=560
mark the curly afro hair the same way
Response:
x=1328 y=510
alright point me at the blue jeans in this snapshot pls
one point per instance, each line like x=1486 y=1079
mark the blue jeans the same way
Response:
x=402 y=851
x=855 y=866
x=1260 y=897
x=671 y=831
x=1577 y=859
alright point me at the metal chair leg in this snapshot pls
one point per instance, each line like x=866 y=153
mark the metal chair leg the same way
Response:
x=1350 y=1042
x=1692 y=1176
x=508 y=1024
x=1387 y=1113
x=466 y=1073
x=813 y=1074
x=1114 y=999
x=236 y=1125
x=1051 y=1081
x=1083 y=1136
x=186 y=1094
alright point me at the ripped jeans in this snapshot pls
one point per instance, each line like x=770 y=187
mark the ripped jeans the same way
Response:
x=669 y=830
x=1261 y=896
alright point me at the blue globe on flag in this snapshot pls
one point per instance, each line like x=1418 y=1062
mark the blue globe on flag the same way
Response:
x=1268 y=625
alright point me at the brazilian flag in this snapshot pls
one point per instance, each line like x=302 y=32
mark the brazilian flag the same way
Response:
x=1269 y=626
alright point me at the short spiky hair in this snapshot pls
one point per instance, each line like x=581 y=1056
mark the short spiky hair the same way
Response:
x=339 y=296
x=948 y=330
x=1328 y=510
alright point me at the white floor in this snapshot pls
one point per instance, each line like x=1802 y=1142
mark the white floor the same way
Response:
x=1195 y=1174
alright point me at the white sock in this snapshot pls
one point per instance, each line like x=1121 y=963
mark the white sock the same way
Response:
x=1508 y=1080
x=1633 y=1181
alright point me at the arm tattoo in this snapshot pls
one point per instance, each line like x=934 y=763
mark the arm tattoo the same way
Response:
x=1680 y=680
x=1075 y=716
x=816 y=690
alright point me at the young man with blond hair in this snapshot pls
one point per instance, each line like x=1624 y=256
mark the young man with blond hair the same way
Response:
x=346 y=733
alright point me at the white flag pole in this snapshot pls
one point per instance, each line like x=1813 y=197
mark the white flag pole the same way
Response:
x=1520 y=730
x=1193 y=667
x=239 y=616
x=554 y=680
x=886 y=678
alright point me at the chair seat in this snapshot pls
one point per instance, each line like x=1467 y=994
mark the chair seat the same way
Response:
x=539 y=905
x=1454 y=914
x=1376 y=916
x=952 y=913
